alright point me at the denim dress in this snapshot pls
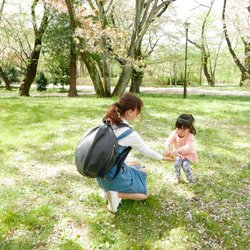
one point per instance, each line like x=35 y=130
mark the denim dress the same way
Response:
x=129 y=179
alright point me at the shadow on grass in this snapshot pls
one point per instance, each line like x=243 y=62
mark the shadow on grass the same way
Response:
x=206 y=218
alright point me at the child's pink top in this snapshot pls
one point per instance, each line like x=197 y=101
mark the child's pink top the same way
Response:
x=186 y=144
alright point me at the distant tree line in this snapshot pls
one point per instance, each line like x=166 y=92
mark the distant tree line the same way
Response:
x=120 y=44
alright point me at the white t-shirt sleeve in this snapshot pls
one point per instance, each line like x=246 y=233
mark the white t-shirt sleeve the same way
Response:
x=135 y=141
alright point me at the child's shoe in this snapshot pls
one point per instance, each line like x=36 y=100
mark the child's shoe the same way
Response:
x=192 y=182
x=178 y=180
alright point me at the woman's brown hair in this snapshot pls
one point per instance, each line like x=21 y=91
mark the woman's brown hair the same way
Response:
x=126 y=101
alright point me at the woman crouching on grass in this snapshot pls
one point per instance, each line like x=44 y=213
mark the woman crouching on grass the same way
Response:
x=130 y=183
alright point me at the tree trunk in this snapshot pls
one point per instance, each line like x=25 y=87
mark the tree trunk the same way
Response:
x=145 y=14
x=232 y=52
x=33 y=60
x=247 y=58
x=72 y=71
x=205 y=53
x=106 y=74
x=126 y=73
x=201 y=67
x=205 y=69
x=206 y=61
x=105 y=60
x=247 y=61
x=5 y=78
x=94 y=74
x=136 y=81
x=123 y=81
x=2 y=73
x=136 y=77
x=31 y=70
x=175 y=74
x=170 y=80
x=89 y=62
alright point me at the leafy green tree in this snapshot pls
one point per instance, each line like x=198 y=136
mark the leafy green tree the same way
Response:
x=60 y=53
x=13 y=74
x=60 y=73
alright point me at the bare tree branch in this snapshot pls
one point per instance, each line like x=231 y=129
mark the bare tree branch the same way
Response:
x=1 y=9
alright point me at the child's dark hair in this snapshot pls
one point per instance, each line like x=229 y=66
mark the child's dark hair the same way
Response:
x=126 y=101
x=186 y=121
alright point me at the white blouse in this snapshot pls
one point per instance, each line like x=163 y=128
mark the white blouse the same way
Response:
x=135 y=141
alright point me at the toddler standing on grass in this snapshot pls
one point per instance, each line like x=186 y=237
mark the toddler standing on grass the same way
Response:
x=182 y=139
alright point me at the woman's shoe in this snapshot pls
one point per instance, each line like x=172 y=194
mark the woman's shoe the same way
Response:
x=113 y=201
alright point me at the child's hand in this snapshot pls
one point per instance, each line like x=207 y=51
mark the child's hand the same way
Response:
x=166 y=152
x=174 y=152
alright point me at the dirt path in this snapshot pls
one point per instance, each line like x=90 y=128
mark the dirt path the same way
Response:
x=194 y=91
x=87 y=89
x=191 y=91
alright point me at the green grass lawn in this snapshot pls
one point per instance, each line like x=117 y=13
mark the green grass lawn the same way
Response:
x=46 y=204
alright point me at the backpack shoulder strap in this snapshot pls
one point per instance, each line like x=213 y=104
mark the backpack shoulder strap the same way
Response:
x=125 y=133
x=122 y=156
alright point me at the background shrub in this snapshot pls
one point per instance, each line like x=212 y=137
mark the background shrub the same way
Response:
x=41 y=81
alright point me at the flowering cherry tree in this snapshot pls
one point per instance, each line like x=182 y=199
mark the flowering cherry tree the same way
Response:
x=96 y=38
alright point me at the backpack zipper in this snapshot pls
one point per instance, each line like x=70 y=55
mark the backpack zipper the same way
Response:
x=111 y=156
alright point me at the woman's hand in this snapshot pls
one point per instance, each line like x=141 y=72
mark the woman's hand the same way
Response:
x=168 y=159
